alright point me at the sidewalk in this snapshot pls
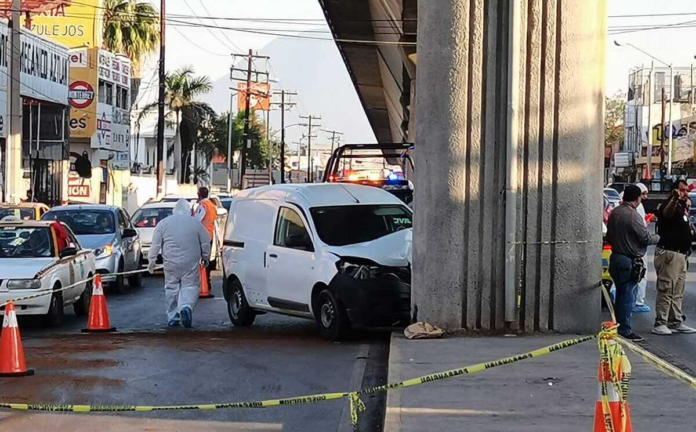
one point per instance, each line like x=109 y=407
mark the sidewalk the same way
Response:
x=550 y=393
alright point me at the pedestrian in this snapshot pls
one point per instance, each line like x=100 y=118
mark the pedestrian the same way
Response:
x=671 y=261
x=629 y=239
x=640 y=306
x=30 y=197
x=206 y=213
x=184 y=245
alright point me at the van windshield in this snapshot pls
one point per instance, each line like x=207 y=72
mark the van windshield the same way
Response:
x=347 y=225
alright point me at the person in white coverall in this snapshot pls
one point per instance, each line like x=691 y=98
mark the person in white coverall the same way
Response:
x=184 y=245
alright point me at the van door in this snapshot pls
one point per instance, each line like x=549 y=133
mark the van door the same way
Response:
x=291 y=263
x=249 y=232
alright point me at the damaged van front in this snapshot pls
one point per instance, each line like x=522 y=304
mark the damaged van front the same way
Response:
x=372 y=248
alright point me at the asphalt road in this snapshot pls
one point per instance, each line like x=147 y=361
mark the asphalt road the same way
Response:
x=679 y=349
x=146 y=363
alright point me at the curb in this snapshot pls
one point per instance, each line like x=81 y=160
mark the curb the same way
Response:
x=392 y=415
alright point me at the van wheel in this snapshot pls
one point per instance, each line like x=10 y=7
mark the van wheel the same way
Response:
x=331 y=316
x=56 y=311
x=81 y=307
x=238 y=308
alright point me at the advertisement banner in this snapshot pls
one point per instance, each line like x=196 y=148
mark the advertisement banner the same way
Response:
x=113 y=107
x=259 y=98
x=82 y=94
x=73 y=23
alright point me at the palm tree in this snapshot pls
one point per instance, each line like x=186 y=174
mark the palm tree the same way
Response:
x=182 y=88
x=131 y=28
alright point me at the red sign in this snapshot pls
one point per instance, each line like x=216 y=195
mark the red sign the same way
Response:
x=34 y=6
x=78 y=191
x=259 y=96
x=81 y=94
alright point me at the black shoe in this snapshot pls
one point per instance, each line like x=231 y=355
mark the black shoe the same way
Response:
x=633 y=337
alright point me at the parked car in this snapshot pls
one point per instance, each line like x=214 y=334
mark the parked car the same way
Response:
x=220 y=222
x=613 y=196
x=30 y=261
x=335 y=253
x=145 y=221
x=108 y=231
x=23 y=211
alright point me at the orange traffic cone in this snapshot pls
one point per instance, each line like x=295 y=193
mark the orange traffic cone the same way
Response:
x=98 y=321
x=611 y=410
x=11 y=351
x=205 y=289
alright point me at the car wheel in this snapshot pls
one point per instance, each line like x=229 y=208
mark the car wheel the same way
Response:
x=241 y=314
x=81 y=307
x=331 y=316
x=56 y=310
x=136 y=280
x=119 y=283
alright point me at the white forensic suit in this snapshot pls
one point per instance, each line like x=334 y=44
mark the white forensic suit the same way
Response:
x=184 y=244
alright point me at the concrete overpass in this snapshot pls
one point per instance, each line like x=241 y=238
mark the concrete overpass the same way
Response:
x=509 y=150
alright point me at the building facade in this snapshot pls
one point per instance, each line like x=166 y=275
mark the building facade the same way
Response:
x=44 y=92
x=643 y=127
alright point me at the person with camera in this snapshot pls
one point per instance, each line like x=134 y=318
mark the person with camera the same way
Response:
x=671 y=261
x=629 y=239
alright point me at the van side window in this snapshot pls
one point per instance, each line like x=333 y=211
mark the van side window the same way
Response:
x=291 y=232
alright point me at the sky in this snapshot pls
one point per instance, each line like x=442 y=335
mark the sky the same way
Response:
x=312 y=68
x=673 y=46
x=316 y=71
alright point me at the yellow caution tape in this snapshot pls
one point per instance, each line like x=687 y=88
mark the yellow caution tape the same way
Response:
x=356 y=405
x=661 y=365
x=613 y=360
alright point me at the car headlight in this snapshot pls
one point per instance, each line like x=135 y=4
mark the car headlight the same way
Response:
x=359 y=271
x=104 y=252
x=23 y=284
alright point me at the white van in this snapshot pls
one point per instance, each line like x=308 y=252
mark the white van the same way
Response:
x=336 y=253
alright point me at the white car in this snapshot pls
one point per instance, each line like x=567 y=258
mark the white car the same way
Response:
x=336 y=253
x=220 y=220
x=30 y=262
x=145 y=221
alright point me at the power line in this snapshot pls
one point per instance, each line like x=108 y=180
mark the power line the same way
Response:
x=236 y=47
x=209 y=30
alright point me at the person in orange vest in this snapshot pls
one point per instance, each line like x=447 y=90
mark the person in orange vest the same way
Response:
x=206 y=213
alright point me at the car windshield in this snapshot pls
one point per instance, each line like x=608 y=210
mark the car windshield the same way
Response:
x=150 y=217
x=346 y=225
x=19 y=213
x=25 y=242
x=85 y=222
x=611 y=193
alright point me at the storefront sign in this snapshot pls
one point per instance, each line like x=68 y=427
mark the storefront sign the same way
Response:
x=81 y=94
x=72 y=23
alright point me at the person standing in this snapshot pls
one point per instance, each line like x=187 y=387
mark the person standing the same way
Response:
x=640 y=306
x=671 y=261
x=184 y=244
x=206 y=213
x=629 y=239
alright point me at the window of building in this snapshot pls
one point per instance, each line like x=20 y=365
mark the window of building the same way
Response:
x=660 y=84
x=121 y=97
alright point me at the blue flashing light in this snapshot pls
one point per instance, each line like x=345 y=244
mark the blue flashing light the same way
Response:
x=392 y=177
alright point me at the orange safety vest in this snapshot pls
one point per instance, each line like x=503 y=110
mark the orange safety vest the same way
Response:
x=210 y=217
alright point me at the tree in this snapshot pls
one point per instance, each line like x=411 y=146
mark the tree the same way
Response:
x=214 y=138
x=182 y=88
x=131 y=28
x=615 y=108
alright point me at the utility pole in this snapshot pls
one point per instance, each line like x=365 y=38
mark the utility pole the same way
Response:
x=283 y=105
x=13 y=154
x=662 y=139
x=160 y=104
x=333 y=138
x=230 y=153
x=246 y=143
x=309 y=143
